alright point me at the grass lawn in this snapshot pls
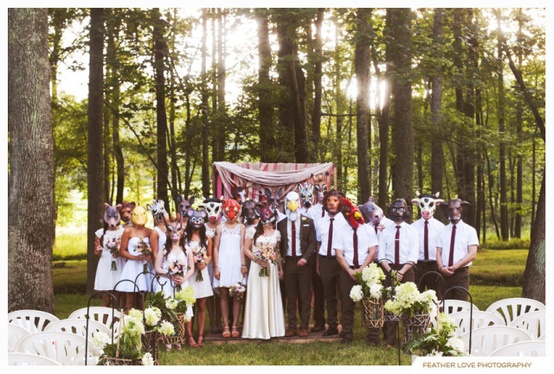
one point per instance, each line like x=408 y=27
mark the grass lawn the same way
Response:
x=495 y=274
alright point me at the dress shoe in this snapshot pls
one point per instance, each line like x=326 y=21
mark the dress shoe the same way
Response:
x=318 y=328
x=331 y=332
x=303 y=333
x=290 y=332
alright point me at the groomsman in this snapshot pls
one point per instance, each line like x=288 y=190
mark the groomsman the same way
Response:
x=298 y=246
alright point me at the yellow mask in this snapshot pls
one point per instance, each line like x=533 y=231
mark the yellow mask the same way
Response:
x=139 y=216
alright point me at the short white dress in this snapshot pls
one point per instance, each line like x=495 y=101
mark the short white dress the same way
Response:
x=229 y=258
x=107 y=277
x=202 y=287
x=159 y=284
x=166 y=286
x=264 y=316
x=133 y=271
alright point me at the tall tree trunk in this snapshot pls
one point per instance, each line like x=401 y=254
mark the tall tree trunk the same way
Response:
x=160 y=48
x=437 y=155
x=206 y=185
x=31 y=163
x=221 y=74
x=265 y=107
x=95 y=164
x=362 y=102
x=403 y=133
x=504 y=221
x=318 y=86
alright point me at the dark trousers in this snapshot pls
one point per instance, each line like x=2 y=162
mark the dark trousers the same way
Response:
x=390 y=327
x=460 y=278
x=424 y=279
x=319 y=300
x=347 y=305
x=329 y=270
x=298 y=286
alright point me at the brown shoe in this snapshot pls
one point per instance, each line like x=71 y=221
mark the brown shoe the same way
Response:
x=290 y=332
x=303 y=333
x=318 y=328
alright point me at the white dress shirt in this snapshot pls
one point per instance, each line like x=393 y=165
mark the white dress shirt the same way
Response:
x=409 y=244
x=435 y=227
x=465 y=236
x=322 y=232
x=366 y=240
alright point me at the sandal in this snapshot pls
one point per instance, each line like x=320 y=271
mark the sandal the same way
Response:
x=226 y=333
x=192 y=343
x=235 y=333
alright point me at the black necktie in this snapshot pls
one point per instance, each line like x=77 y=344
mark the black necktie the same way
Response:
x=397 y=247
x=356 y=263
x=330 y=237
x=426 y=241
x=293 y=238
x=452 y=238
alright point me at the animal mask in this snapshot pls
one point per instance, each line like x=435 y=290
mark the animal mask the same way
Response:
x=231 y=209
x=111 y=215
x=320 y=185
x=196 y=218
x=399 y=211
x=267 y=215
x=352 y=214
x=454 y=210
x=157 y=209
x=306 y=191
x=292 y=202
x=371 y=212
x=273 y=199
x=126 y=211
x=184 y=205
x=174 y=230
x=139 y=216
x=249 y=212
x=427 y=204
x=213 y=209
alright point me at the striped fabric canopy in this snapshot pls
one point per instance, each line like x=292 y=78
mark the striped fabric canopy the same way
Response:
x=255 y=177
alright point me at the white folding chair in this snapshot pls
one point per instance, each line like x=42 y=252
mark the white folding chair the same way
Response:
x=106 y=315
x=21 y=358
x=534 y=322
x=31 y=319
x=79 y=326
x=486 y=340
x=522 y=349
x=64 y=347
x=480 y=318
x=15 y=333
x=453 y=306
x=513 y=307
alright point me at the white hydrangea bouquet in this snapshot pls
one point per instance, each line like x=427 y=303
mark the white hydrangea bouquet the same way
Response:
x=438 y=341
x=128 y=345
x=370 y=283
x=407 y=300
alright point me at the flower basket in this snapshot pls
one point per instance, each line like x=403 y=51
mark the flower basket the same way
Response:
x=150 y=344
x=415 y=325
x=372 y=312
x=116 y=361
x=391 y=317
x=181 y=321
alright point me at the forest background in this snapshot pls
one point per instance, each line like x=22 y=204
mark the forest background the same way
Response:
x=400 y=100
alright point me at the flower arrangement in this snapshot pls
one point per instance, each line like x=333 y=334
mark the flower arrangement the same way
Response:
x=370 y=283
x=238 y=290
x=176 y=268
x=438 y=341
x=144 y=248
x=113 y=245
x=129 y=344
x=265 y=252
x=185 y=299
x=200 y=254
x=407 y=300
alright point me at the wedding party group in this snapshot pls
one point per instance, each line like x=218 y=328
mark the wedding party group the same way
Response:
x=283 y=266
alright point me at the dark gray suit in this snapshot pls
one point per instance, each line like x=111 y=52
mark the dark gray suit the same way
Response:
x=298 y=279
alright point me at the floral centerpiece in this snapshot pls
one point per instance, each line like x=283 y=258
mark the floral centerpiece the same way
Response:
x=128 y=349
x=438 y=341
x=185 y=300
x=200 y=254
x=113 y=246
x=238 y=291
x=144 y=248
x=415 y=308
x=265 y=252
x=371 y=292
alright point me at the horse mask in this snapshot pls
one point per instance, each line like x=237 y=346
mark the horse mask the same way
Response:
x=112 y=216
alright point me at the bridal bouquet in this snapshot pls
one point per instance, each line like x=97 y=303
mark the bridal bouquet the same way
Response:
x=238 y=290
x=113 y=245
x=144 y=248
x=200 y=254
x=176 y=268
x=265 y=252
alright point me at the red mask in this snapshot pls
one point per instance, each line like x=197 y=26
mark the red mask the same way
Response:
x=351 y=213
x=231 y=208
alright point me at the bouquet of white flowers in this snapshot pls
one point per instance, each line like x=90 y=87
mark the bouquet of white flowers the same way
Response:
x=438 y=341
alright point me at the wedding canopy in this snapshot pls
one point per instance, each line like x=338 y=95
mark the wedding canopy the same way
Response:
x=254 y=178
